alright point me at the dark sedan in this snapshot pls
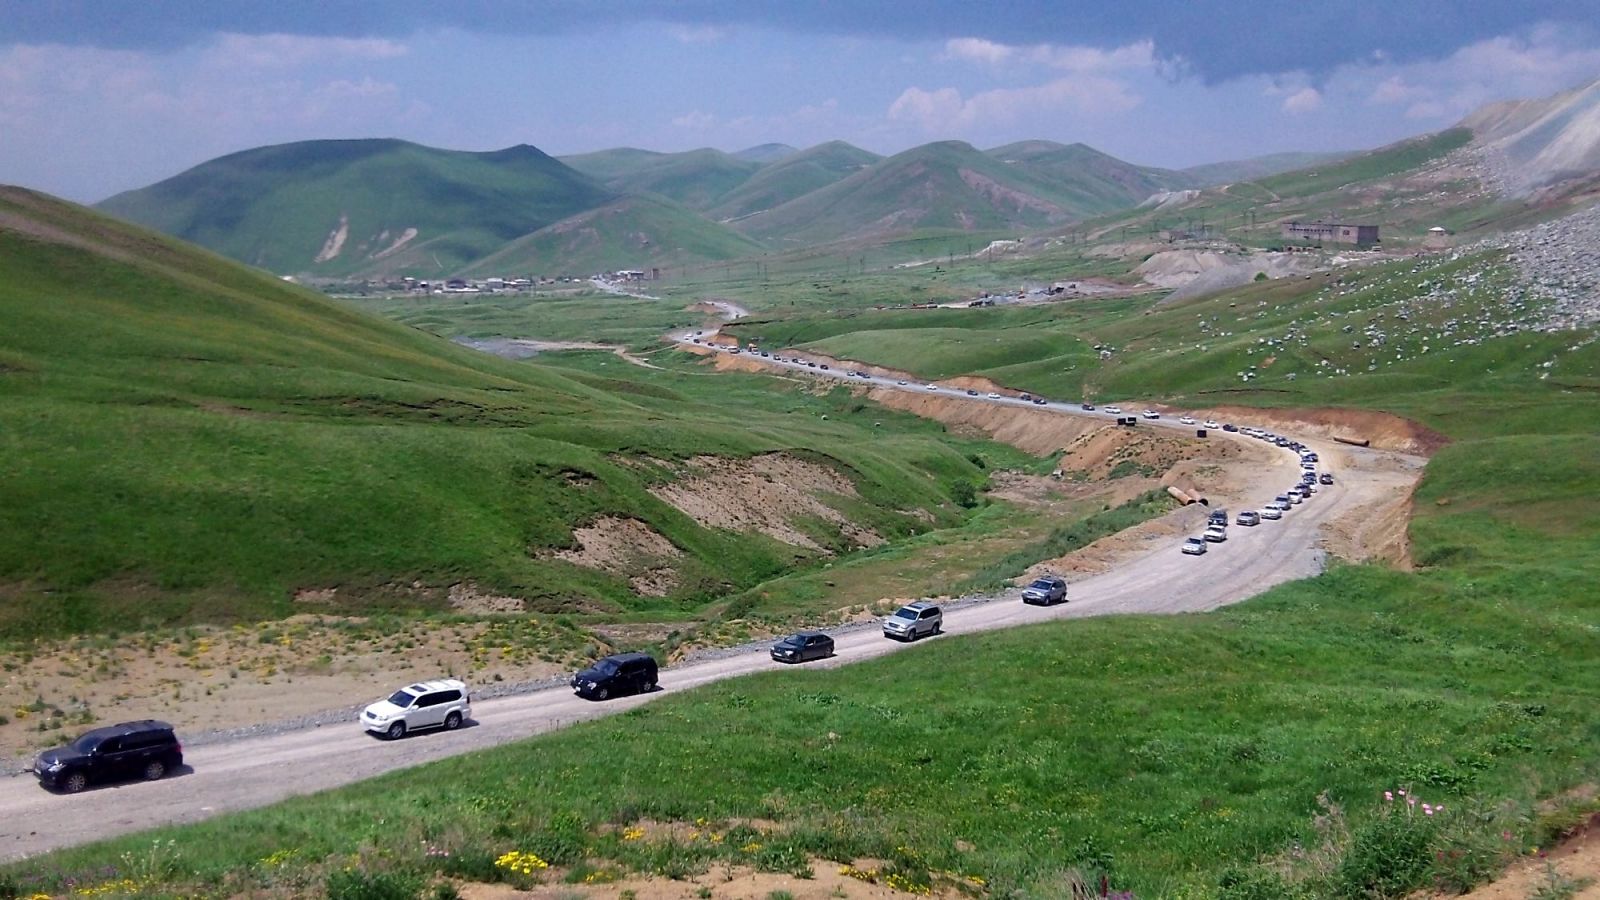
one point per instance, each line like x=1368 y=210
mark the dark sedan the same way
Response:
x=802 y=646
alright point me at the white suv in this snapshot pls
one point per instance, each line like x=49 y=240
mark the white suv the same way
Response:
x=427 y=704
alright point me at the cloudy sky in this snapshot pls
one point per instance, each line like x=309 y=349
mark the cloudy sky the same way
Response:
x=99 y=96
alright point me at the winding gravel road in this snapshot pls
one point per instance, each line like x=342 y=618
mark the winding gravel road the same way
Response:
x=255 y=771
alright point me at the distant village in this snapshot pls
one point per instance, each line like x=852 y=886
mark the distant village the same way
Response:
x=495 y=284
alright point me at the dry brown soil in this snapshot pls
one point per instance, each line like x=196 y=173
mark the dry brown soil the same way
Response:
x=1383 y=431
x=724 y=883
x=765 y=493
x=1576 y=859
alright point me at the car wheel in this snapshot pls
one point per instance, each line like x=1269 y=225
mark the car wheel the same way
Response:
x=154 y=770
x=452 y=721
x=938 y=629
x=74 y=782
x=396 y=731
x=601 y=694
x=649 y=687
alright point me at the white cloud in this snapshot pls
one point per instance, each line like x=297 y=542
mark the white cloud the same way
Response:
x=978 y=50
x=1396 y=89
x=264 y=51
x=696 y=34
x=1140 y=55
x=1305 y=100
x=946 y=111
x=695 y=121
x=1540 y=62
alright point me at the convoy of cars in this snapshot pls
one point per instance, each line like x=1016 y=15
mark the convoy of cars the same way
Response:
x=150 y=749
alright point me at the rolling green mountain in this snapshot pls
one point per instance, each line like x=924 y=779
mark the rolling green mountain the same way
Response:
x=792 y=177
x=368 y=207
x=191 y=440
x=945 y=186
x=636 y=232
x=1257 y=167
x=1095 y=182
x=697 y=178
x=765 y=153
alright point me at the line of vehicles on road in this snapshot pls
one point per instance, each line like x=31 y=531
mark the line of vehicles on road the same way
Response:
x=1216 y=530
x=149 y=749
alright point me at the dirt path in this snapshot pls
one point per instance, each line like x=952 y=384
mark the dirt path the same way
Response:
x=525 y=348
x=612 y=287
x=727 y=310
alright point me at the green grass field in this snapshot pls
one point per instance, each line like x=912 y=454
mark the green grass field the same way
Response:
x=1446 y=358
x=186 y=436
x=189 y=441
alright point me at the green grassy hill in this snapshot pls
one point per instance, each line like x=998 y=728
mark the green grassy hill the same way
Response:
x=791 y=177
x=1233 y=170
x=1238 y=755
x=765 y=153
x=1096 y=182
x=358 y=208
x=698 y=179
x=635 y=232
x=190 y=440
x=1449 y=353
x=1406 y=188
x=946 y=186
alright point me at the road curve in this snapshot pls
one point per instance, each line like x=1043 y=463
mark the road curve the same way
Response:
x=252 y=772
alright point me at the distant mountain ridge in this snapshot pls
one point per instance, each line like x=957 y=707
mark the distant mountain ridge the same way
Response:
x=349 y=207
x=378 y=208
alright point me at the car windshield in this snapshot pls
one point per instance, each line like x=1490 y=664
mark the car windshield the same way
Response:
x=86 y=743
x=605 y=666
x=402 y=699
x=906 y=614
x=793 y=640
x=1042 y=584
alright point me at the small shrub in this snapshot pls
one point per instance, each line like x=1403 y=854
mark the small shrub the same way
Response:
x=1391 y=855
x=444 y=890
x=1556 y=886
x=964 y=494
x=1255 y=884
x=355 y=884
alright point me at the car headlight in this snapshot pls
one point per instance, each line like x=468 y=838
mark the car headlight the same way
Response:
x=590 y=685
x=55 y=766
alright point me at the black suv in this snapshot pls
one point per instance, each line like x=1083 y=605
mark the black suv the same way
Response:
x=146 y=749
x=624 y=673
